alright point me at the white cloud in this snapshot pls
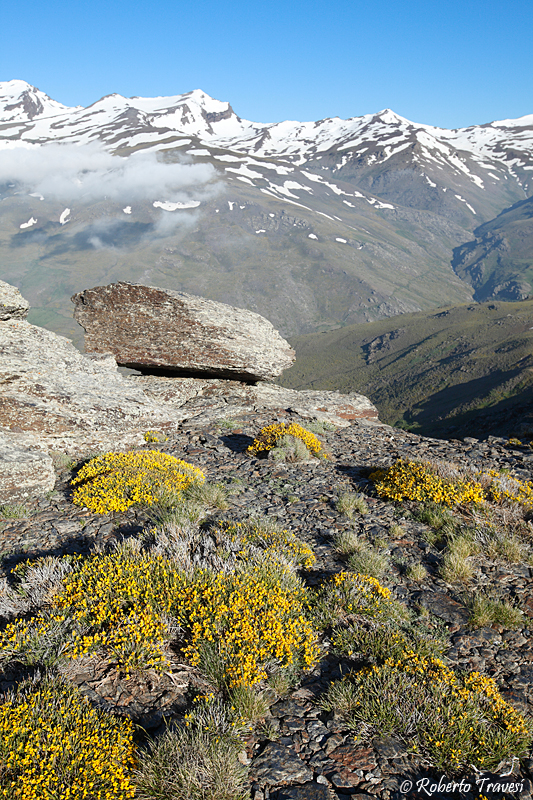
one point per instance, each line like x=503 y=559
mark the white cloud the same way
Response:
x=88 y=173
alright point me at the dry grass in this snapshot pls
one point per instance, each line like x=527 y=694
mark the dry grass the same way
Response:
x=191 y=764
x=485 y=612
x=350 y=502
x=417 y=573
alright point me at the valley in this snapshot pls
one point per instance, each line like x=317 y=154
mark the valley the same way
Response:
x=451 y=372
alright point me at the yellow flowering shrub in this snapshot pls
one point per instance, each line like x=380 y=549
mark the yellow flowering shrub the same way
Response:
x=251 y=620
x=507 y=490
x=350 y=593
x=271 y=541
x=462 y=719
x=117 y=603
x=360 y=594
x=414 y=480
x=155 y=437
x=116 y=481
x=110 y=602
x=269 y=436
x=55 y=744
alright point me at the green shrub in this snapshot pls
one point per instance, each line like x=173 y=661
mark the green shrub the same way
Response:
x=269 y=436
x=349 y=502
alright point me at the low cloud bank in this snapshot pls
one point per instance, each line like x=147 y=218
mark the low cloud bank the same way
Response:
x=88 y=173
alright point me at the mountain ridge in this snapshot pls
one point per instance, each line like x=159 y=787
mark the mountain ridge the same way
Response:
x=312 y=224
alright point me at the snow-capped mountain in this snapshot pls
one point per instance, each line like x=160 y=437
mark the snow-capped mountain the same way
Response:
x=378 y=200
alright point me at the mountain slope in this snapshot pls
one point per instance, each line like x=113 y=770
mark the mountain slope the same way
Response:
x=499 y=262
x=465 y=369
x=313 y=224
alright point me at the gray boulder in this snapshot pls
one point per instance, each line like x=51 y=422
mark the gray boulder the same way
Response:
x=157 y=329
x=26 y=469
x=12 y=303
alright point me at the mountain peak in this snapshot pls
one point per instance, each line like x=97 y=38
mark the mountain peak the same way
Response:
x=20 y=102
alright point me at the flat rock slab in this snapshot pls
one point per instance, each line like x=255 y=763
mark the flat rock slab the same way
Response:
x=148 y=328
x=12 y=304
x=26 y=471
x=230 y=398
x=309 y=791
x=278 y=765
x=444 y=607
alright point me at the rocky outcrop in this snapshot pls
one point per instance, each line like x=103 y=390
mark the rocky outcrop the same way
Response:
x=208 y=400
x=156 y=329
x=52 y=397
x=12 y=303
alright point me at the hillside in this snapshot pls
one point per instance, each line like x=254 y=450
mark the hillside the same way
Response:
x=499 y=262
x=312 y=224
x=459 y=370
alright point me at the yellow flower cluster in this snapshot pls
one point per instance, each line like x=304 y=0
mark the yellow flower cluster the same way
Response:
x=251 y=620
x=113 y=602
x=268 y=438
x=505 y=489
x=273 y=542
x=116 y=481
x=154 y=437
x=117 y=603
x=413 y=480
x=361 y=594
x=470 y=704
x=53 y=743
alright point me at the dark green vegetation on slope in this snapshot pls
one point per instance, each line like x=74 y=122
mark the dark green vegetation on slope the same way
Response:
x=457 y=370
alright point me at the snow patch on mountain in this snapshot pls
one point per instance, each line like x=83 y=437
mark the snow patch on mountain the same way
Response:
x=29 y=223
x=166 y=206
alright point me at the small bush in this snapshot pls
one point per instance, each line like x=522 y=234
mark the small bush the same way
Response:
x=417 y=573
x=155 y=437
x=192 y=764
x=212 y=495
x=61 y=460
x=504 y=490
x=116 y=481
x=379 y=639
x=420 y=481
x=268 y=438
x=257 y=538
x=455 y=721
x=457 y=566
x=485 y=612
x=321 y=426
x=347 y=542
x=368 y=560
x=347 y=594
x=396 y=531
x=227 y=424
x=53 y=743
x=289 y=449
x=198 y=761
x=254 y=621
x=13 y=511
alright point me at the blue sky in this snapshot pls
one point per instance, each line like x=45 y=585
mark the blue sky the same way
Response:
x=441 y=62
